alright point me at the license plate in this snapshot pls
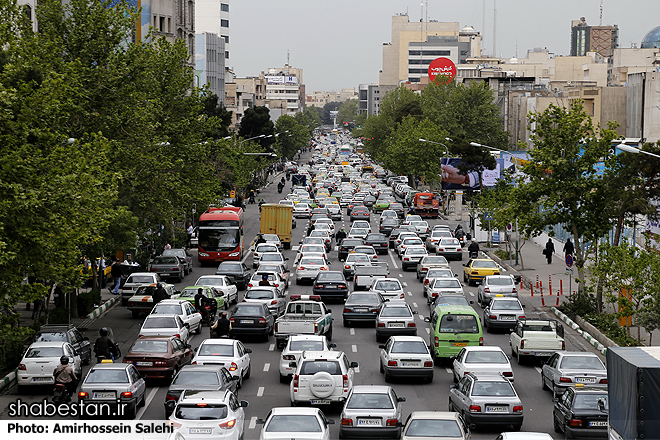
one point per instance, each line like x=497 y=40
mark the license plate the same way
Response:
x=104 y=395
x=163 y=274
x=459 y=344
x=498 y=409
x=506 y=318
x=395 y=324
x=360 y=310
x=604 y=424
x=369 y=422
x=410 y=364
x=247 y=321
x=585 y=379
x=321 y=402
x=144 y=364
x=199 y=430
x=41 y=379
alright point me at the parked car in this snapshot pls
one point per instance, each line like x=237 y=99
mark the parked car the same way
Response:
x=66 y=333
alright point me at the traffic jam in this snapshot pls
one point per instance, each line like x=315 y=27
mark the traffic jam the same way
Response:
x=357 y=311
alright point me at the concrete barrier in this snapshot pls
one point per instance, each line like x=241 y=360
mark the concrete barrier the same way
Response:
x=8 y=380
x=600 y=347
x=104 y=307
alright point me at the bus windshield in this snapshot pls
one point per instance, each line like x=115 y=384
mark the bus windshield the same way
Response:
x=218 y=239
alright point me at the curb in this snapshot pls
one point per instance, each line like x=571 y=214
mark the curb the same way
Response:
x=102 y=309
x=8 y=380
x=600 y=347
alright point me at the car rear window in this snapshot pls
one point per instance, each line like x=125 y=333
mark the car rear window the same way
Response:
x=330 y=277
x=589 y=401
x=159 y=322
x=230 y=266
x=487 y=388
x=216 y=350
x=313 y=367
x=245 y=310
x=416 y=347
x=443 y=282
x=459 y=324
x=306 y=345
x=581 y=363
x=146 y=346
x=485 y=264
x=482 y=357
x=106 y=375
x=166 y=309
x=191 y=377
x=389 y=312
x=165 y=260
x=259 y=294
x=139 y=279
x=387 y=285
x=369 y=401
x=433 y=428
x=293 y=423
x=505 y=305
x=206 y=411
x=500 y=281
x=43 y=352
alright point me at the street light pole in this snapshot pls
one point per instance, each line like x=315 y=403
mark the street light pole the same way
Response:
x=630 y=149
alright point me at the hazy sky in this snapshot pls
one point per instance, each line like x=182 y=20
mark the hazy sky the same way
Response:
x=338 y=43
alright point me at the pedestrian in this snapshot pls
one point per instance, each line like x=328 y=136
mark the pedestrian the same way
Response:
x=190 y=232
x=568 y=248
x=549 y=250
x=101 y=268
x=168 y=245
x=159 y=294
x=115 y=271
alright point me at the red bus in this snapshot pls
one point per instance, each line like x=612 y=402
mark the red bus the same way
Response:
x=220 y=235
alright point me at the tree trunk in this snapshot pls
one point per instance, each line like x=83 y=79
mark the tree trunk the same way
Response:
x=599 y=287
x=522 y=263
x=618 y=229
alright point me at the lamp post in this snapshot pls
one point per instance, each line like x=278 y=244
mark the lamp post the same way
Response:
x=437 y=143
x=630 y=149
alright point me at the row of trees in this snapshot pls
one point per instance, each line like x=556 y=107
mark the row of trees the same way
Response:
x=104 y=142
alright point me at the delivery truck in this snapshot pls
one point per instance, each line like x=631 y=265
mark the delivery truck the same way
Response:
x=277 y=219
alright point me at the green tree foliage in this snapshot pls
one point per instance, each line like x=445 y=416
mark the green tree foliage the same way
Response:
x=348 y=112
x=256 y=122
x=291 y=137
x=219 y=118
x=310 y=118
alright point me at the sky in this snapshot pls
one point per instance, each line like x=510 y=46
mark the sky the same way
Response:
x=338 y=43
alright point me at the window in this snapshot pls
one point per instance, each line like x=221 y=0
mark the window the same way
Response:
x=224 y=23
x=227 y=54
x=226 y=37
x=224 y=7
x=161 y=24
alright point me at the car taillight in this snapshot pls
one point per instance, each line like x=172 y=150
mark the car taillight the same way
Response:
x=83 y=395
x=522 y=343
x=233 y=366
x=481 y=340
x=319 y=286
x=160 y=364
x=437 y=341
x=347 y=422
x=411 y=324
x=301 y=268
x=406 y=259
x=175 y=269
x=392 y=422
x=193 y=363
x=575 y=422
x=428 y=363
x=153 y=270
x=517 y=409
x=507 y=374
x=324 y=268
x=288 y=357
x=177 y=336
x=273 y=302
x=347 y=267
x=347 y=310
x=565 y=380
x=521 y=317
x=603 y=381
x=434 y=294
x=228 y=424
x=295 y=381
x=341 y=286
x=392 y=363
x=487 y=290
x=380 y=324
x=262 y=321
x=426 y=282
x=232 y=320
x=250 y=285
x=22 y=367
x=441 y=249
x=514 y=290
x=563 y=345
x=276 y=327
x=492 y=317
x=475 y=409
x=345 y=376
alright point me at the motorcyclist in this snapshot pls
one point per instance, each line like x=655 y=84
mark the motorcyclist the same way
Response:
x=264 y=281
x=222 y=327
x=459 y=232
x=473 y=248
x=261 y=202
x=260 y=239
x=341 y=234
x=64 y=374
x=160 y=294
x=280 y=187
x=252 y=201
x=104 y=347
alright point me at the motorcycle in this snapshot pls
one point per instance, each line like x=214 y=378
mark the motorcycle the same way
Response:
x=61 y=394
x=280 y=187
x=252 y=201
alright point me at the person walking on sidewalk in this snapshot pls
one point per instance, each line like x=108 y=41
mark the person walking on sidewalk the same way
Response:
x=549 y=250
x=568 y=248
x=115 y=271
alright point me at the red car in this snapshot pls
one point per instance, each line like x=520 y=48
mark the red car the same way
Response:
x=159 y=357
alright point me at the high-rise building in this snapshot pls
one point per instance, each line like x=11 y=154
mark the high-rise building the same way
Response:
x=600 y=39
x=213 y=16
x=210 y=63
x=285 y=91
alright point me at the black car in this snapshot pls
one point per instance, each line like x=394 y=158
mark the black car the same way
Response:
x=387 y=226
x=399 y=209
x=369 y=201
x=360 y=213
x=347 y=245
x=378 y=242
x=362 y=307
x=251 y=319
x=237 y=272
x=577 y=414
x=331 y=285
x=68 y=333
x=199 y=378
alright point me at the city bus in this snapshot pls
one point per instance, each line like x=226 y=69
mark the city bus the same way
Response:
x=345 y=150
x=221 y=235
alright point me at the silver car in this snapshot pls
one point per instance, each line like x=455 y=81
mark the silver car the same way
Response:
x=428 y=262
x=449 y=248
x=371 y=411
x=434 y=273
x=503 y=313
x=267 y=295
x=493 y=285
x=432 y=424
x=444 y=286
x=395 y=318
x=567 y=368
x=168 y=266
x=434 y=238
x=486 y=399
x=259 y=250
x=118 y=387
x=309 y=267
x=411 y=256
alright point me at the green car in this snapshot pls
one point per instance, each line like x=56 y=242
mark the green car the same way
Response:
x=382 y=204
x=310 y=202
x=189 y=295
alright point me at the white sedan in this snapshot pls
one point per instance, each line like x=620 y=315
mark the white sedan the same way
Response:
x=184 y=309
x=294 y=347
x=41 y=359
x=229 y=353
x=482 y=359
x=165 y=325
x=309 y=267
x=307 y=423
x=406 y=356
x=302 y=210
x=222 y=284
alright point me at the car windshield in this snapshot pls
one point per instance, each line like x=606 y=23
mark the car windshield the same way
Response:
x=159 y=322
x=259 y=294
x=313 y=367
x=589 y=401
x=208 y=411
x=447 y=283
x=147 y=346
x=44 y=352
x=107 y=375
x=500 y=281
x=505 y=305
x=389 y=312
x=416 y=347
x=387 y=285
x=167 y=309
x=245 y=310
x=487 y=388
x=230 y=267
x=459 y=324
x=486 y=357
x=330 y=277
x=581 y=363
x=191 y=377
x=485 y=264
x=165 y=260
x=51 y=337
x=140 y=279
x=433 y=428
x=293 y=423
x=369 y=401
x=362 y=298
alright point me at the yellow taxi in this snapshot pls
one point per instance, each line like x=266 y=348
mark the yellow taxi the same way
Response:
x=477 y=268
x=330 y=200
x=322 y=193
x=294 y=198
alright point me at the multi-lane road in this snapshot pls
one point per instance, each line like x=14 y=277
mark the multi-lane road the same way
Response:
x=264 y=391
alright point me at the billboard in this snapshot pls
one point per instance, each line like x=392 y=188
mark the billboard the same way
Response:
x=442 y=66
x=282 y=79
x=453 y=179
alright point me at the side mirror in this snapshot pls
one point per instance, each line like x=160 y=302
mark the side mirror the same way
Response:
x=354 y=364
x=452 y=358
x=456 y=275
x=401 y=399
x=329 y=311
x=331 y=422
x=332 y=345
x=187 y=345
x=248 y=350
x=524 y=306
x=169 y=405
x=85 y=338
x=464 y=265
x=427 y=320
x=186 y=325
x=285 y=258
x=234 y=378
x=329 y=263
x=415 y=312
x=292 y=364
x=381 y=346
x=260 y=421
x=472 y=302
x=195 y=349
x=452 y=386
x=244 y=403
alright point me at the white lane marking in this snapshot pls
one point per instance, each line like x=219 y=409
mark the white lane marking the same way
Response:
x=253 y=422
x=352 y=331
x=415 y=304
x=147 y=401
x=266 y=366
x=295 y=248
x=400 y=275
x=354 y=348
x=394 y=262
x=428 y=330
x=409 y=293
x=260 y=392
x=471 y=294
x=405 y=284
x=247 y=254
x=538 y=368
x=272 y=347
x=448 y=370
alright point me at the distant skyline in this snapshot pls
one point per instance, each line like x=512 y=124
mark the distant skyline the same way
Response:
x=338 y=44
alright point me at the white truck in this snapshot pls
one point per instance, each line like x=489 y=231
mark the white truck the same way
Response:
x=538 y=338
x=303 y=317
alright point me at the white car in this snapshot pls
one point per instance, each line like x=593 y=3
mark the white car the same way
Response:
x=326 y=221
x=309 y=267
x=222 y=284
x=274 y=258
x=324 y=227
x=184 y=309
x=311 y=250
x=302 y=210
x=275 y=279
x=358 y=233
x=439 y=424
x=481 y=359
x=286 y=202
x=209 y=415
x=322 y=378
x=273 y=239
x=407 y=242
x=411 y=256
x=295 y=423
x=366 y=250
x=363 y=224
x=389 y=288
x=41 y=359
x=334 y=211
x=259 y=250
x=294 y=347
x=165 y=325
x=269 y=296
x=134 y=281
x=406 y=356
x=229 y=353
x=325 y=235
x=402 y=236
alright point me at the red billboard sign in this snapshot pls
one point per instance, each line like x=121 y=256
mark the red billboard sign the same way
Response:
x=442 y=66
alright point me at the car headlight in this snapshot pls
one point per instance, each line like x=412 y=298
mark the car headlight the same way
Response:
x=234 y=254
x=203 y=254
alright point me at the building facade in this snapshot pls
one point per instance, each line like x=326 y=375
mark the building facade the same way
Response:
x=210 y=63
x=213 y=16
x=600 y=39
x=285 y=90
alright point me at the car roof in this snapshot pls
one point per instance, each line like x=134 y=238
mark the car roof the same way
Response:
x=300 y=410
x=380 y=389
x=440 y=415
x=164 y=315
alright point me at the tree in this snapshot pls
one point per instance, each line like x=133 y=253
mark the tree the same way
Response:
x=291 y=136
x=310 y=118
x=219 y=118
x=348 y=112
x=256 y=122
